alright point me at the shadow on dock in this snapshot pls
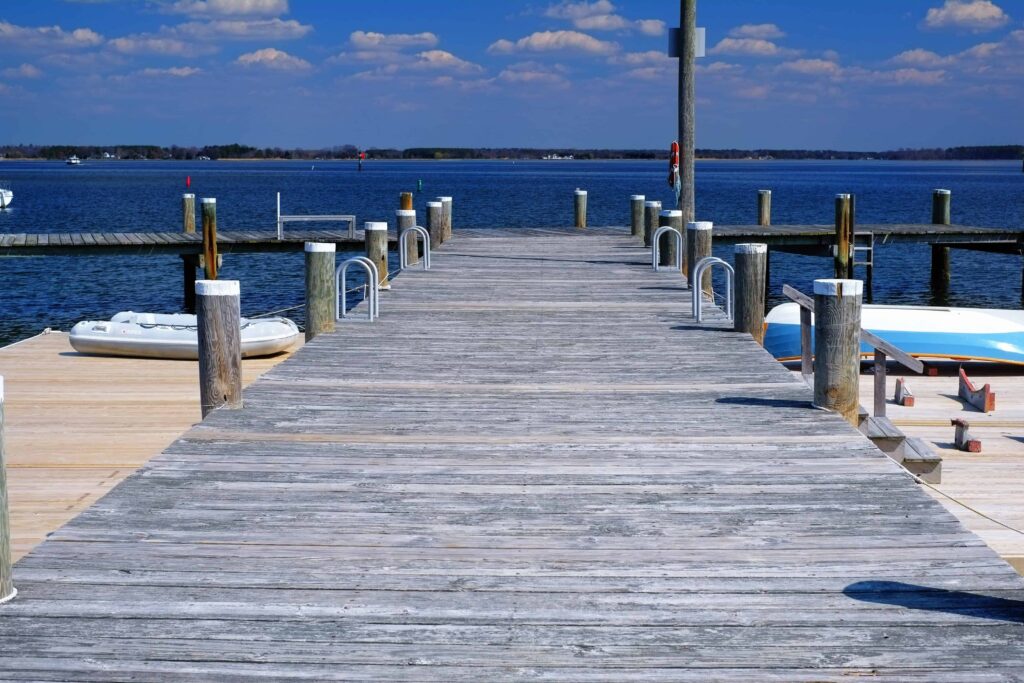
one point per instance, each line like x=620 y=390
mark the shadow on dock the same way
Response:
x=913 y=596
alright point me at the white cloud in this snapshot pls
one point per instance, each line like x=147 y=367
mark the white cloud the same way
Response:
x=227 y=7
x=763 y=31
x=601 y=16
x=650 y=27
x=641 y=58
x=368 y=40
x=579 y=10
x=751 y=47
x=973 y=15
x=896 y=77
x=442 y=60
x=174 y=71
x=555 y=41
x=811 y=67
x=47 y=37
x=602 y=22
x=23 y=71
x=533 y=73
x=919 y=57
x=241 y=29
x=150 y=44
x=272 y=58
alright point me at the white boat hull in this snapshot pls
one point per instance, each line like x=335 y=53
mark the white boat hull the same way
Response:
x=174 y=336
x=6 y=197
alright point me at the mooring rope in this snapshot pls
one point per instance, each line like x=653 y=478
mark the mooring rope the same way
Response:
x=965 y=505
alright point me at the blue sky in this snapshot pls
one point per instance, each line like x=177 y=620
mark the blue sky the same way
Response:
x=870 y=74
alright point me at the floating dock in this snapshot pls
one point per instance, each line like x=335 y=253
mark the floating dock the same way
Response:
x=535 y=465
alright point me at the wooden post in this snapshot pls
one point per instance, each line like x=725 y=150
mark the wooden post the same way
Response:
x=446 y=218
x=7 y=591
x=321 y=299
x=806 y=342
x=189 y=262
x=636 y=215
x=209 y=205
x=218 y=315
x=764 y=207
x=652 y=210
x=880 y=372
x=837 y=346
x=672 y=218
x=376 y=235
x=687 y=105
x=751 y=266
x=581 y=209
x=405 y=201
x=406 y=218
x=843 y=237
x=698 y=246
x=435 y=223
x=940 y=255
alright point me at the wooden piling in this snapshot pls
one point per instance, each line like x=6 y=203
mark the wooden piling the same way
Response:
x=581 y=208
x=435 y=223
x=764 y=207
x=406 y=218
x=218 y=316
x=7 y=591
x=189 y=262
x=636 y=214
x=941 y=200
x=844 y=237
x=209 y=206
x=652 y=212
x=405 y=201
x=698 y=246
x=321 y=299
x=446 y=218
x=837 y=305
x=751 y=261
x=376 y=236
x=667 y=249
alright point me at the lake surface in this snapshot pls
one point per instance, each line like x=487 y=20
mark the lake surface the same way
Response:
x=115 y=196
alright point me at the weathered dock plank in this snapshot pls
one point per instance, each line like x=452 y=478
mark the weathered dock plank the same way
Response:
x=534 y=465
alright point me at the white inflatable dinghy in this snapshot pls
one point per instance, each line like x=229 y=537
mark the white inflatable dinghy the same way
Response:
x=174 y=335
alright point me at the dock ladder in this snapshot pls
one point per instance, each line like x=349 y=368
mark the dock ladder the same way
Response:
x=864 y=244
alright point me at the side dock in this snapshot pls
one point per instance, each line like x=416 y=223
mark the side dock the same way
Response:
x=535 y=465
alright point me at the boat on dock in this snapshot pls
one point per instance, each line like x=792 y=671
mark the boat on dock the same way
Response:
x=977 y=334
x=174 y=336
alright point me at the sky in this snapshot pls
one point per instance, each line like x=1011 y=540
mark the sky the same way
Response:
x=860 y=75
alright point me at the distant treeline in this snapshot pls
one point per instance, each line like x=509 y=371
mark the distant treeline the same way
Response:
x=236 y=151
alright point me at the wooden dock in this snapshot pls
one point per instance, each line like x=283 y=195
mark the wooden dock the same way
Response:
x=533 y=466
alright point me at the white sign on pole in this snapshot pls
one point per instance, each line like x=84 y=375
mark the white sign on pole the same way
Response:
x=674 y=39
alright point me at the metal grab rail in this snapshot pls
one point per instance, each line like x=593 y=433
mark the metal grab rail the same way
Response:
x=698 y=273
x=403 y=246
x=656 y=248
x=281 y=220
x=372 y=282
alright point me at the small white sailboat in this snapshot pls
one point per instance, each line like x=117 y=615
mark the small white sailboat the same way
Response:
x=922 y=331
x=174 y=336
x=6 y=197
x=73 y=161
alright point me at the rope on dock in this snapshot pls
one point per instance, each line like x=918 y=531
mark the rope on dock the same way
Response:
x=966 y=506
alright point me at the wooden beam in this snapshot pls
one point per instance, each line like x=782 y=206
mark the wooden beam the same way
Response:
x=984 y=399
x=963 y=439
x=903 y=396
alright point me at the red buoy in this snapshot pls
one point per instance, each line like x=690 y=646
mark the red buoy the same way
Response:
x=188 y=181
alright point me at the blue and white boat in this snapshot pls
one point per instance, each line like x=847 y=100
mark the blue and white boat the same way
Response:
x=6 y=197
x=922 y=331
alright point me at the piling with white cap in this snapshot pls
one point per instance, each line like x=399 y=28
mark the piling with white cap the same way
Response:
x=218 y=316
x=698 y=246
x=7 y=590
x=652 y=212
x=321 y=299
x=209 y=210
x=406 y=219
x=636 y=214
x=837 y=306
x=435 y=223
x=672 y=218
x=376 y=240
x=750 y=263
x=446 y=218
x=580 y=208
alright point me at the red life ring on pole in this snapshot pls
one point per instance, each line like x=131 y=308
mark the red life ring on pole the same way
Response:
x=673 y=164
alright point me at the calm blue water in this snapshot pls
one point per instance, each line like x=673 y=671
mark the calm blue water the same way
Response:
x=146 y=195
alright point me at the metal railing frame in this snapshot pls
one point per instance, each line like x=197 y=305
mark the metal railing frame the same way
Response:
x=656 y=248
x=403 y=246
x=372 y=285
x=341 y=218
x=698 y=296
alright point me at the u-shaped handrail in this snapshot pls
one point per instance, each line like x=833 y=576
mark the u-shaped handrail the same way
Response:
x=698 y=273
x=403 y=246
x=372 y=281
x=656 y=247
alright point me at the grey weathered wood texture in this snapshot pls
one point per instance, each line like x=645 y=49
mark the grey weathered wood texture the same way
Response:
x=435 y=223
x=567 y=481
x=6 y=577
x=667 y=248
x=652 y=213
x=376 y=236
x=580 y=208
x=636 y=215
x=446 y=218
x=406 y=218
x=209 y=210
x=188 y=213
x=687 y=106
x=321 y=297
x=218 y=315
x=837 y=346
x=844 y=236
x=764 y=207
x=698 y=246
x=750 y=261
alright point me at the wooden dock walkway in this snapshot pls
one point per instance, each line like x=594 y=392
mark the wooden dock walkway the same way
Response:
x=534 y=466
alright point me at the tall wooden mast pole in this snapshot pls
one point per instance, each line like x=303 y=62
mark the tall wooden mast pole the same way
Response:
x=687 y=116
